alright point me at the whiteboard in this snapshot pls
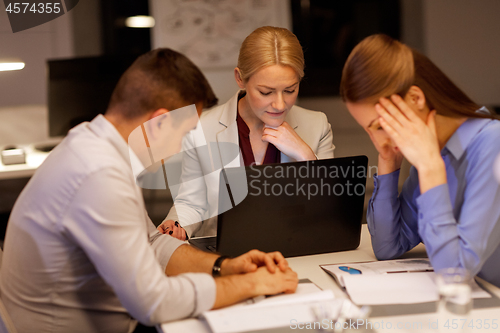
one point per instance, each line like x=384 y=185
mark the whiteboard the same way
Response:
x=210 y=32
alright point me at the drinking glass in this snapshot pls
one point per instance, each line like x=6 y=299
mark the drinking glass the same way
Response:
x=455 y=301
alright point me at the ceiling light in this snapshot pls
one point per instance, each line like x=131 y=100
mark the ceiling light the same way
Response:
x=11 y=65
x=140 y=21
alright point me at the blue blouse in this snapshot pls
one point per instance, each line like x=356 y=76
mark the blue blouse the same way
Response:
x=459 y=222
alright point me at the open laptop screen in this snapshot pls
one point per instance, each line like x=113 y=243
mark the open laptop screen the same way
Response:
x=298 y=208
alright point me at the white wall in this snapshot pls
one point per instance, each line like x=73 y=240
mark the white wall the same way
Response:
x=222 y=82
x=463 y=38
x=23 y=94
x=33 y=46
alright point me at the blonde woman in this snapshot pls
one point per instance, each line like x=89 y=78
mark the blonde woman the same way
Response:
x=261 y=119
x=451 y=201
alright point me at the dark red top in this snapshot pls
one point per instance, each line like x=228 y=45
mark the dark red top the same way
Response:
x=273 y=155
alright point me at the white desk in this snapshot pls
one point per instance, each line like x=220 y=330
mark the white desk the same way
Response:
x=34 y=158
x=308 y=267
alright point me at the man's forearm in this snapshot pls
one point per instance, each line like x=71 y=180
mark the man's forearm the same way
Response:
x=233 y=289
x=230 y=289
x=188 y=259
x=233 y=286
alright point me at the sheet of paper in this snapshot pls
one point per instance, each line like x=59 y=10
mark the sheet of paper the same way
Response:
x=404 y=288
x=391 y=288
x=378 y=267
x=278 y=311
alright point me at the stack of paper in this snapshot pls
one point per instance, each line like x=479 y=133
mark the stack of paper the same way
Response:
x=404 y=281
x=308 y=304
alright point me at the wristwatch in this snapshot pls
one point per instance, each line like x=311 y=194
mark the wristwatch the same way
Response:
x=217 y=265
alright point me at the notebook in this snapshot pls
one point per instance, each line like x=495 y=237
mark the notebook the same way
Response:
x=298 y=208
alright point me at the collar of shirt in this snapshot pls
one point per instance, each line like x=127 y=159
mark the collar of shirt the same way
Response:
x=463 y=136
x=104 y=129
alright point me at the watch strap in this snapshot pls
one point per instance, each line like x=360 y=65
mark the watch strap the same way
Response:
x=217 y=265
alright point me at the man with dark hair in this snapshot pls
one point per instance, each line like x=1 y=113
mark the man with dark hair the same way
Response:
x=80 y=253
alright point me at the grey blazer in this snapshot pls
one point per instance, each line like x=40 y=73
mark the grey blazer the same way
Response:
x=215 y=144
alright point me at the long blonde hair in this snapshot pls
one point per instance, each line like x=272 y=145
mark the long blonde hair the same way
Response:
x=380 y=66
x=268 y=46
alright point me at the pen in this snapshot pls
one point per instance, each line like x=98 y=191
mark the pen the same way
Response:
x=418 y=271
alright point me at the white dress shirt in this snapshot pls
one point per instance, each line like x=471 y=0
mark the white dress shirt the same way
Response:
x=81 y=253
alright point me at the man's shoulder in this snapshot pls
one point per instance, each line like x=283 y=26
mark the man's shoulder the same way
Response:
x=82 y=151
x=78 y=160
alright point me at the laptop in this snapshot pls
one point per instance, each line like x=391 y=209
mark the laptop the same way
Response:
x=298 y=208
